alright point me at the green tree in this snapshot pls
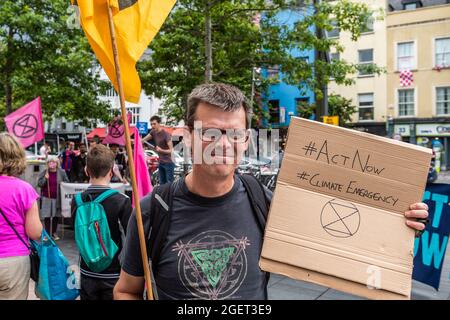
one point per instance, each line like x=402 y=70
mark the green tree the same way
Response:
x=42 y=55
x=179 y=59
x=341 y=107
x=207 y=40
x=337 y=106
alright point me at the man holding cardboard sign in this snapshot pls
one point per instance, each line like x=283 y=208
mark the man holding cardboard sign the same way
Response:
x=354 y=189
x=213 y=240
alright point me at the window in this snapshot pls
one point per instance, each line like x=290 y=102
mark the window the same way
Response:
x=274 y=111
x=410 y=6
x=110 y=92
x=335 y=56
x=406 y=102
x=443 y=101
x=134 y=115
x=405 y=56
x=335 y=32
x=301 y=103
x=443 y=52
x=368 y=25
x=365 y=110
x=365 y=61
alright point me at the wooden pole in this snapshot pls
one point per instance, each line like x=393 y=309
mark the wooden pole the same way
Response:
x=140 y=225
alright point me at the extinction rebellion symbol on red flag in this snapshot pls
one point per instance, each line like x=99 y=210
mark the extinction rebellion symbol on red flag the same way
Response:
x=26 y=123
x=406 y=78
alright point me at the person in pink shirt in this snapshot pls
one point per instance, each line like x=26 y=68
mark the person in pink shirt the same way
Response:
x=19 y=210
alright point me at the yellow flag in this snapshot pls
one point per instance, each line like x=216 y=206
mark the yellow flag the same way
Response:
x=136 y=23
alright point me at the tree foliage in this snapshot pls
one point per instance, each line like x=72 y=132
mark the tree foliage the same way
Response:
x=42 y=54
x=240 y=44
x=341 y=107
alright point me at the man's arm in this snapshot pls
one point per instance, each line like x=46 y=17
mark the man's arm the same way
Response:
x=131 y=282
x=129 y=287
x=166 y=151
x=147 y=137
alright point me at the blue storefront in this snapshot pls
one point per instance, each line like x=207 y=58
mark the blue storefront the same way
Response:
x=282 y=98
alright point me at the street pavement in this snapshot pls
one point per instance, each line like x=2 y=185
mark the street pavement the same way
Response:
x=280 y=287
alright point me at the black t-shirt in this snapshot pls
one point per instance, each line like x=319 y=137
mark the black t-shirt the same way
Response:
x=121 y=162
x=212 y=249
x=78 y=174
x=118 y=210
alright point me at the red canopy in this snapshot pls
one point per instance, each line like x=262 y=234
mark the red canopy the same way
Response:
x=101 y=133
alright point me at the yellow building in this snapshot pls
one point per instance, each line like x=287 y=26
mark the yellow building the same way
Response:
x=369 y=91
x=419 y=40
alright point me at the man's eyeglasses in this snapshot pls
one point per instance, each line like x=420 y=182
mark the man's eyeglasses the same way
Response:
x=214 y=134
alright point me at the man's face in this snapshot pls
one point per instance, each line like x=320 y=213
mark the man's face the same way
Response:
x=155 y=125
x=83 y=149
x=219 y=156
x=114 y=149
x=71 y=146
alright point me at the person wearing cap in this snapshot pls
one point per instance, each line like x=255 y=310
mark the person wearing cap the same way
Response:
x=49 y=181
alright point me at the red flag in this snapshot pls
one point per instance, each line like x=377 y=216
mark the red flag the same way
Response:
x=116 y=131
x=26 y=123
x=143 y=182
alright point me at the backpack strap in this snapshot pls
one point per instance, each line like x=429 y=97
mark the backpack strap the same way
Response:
x=160 y=214
x=78 y=199
x=106 y=194
x=257 y=196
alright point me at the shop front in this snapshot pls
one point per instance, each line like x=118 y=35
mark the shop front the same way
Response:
x=435 y=136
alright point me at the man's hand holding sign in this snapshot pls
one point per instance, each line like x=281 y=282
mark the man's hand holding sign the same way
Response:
x=338 y=213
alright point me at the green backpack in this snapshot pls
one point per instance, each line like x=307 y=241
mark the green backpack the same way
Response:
x=92 y=233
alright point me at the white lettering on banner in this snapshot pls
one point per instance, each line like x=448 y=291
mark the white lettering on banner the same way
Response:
x=69 y=190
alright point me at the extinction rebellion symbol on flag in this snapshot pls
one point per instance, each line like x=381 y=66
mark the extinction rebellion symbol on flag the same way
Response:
x=25 y=126
x=406 y=78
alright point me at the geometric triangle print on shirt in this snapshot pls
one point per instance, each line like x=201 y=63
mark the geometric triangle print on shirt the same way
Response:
x=213 y=262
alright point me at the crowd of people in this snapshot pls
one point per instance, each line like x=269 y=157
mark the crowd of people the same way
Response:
x=210 y=213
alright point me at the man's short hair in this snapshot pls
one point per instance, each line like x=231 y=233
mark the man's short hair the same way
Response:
x=220 y=95
x=155 y=118
x=100 y=161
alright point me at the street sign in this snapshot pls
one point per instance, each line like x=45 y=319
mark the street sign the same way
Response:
x=333 y=120
x=142 y=127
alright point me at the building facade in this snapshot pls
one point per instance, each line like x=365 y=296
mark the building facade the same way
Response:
x=283 y=100
x=368 y=93
x=418 y=41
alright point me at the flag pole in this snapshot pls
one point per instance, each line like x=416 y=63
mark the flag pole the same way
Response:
x=140 y=225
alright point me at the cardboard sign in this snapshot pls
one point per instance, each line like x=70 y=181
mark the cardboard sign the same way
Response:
x=337 y=215
x=69 y=190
